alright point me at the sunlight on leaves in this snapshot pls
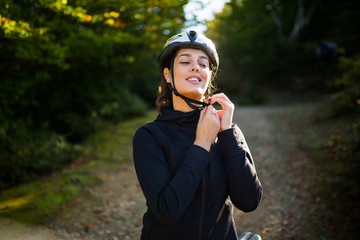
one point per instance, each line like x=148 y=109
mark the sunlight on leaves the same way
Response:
x=21 y=29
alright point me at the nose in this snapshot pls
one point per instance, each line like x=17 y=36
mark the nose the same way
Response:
x=195 y=67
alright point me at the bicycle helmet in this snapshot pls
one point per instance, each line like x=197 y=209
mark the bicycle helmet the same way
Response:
x=188 y=39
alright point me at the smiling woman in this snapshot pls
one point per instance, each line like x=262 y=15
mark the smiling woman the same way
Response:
x=192 y=162
x=196 y=44
x=192 y=76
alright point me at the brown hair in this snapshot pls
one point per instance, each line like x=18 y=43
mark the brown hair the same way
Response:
x=164 y=98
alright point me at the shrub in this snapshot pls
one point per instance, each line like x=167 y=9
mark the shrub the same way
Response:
x=26 y=154
x=341 y=151
x=347 y=98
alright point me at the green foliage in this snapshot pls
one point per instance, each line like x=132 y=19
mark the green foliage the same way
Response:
x=272 y=45
x=252 y=56
x=66 y=66
x=334 y=146
x=334 y=142
x=347 y=98
x=26 y=154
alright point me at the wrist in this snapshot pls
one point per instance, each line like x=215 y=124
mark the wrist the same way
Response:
x=226 y=127
x=203 y=144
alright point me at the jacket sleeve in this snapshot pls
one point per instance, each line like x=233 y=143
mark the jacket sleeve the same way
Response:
x=245 y=189
x=167 y=194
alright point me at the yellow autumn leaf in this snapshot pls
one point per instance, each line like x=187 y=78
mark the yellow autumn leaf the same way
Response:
x=114 y=14
x=110 y=22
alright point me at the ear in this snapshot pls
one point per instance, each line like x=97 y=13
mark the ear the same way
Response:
x=167 y=74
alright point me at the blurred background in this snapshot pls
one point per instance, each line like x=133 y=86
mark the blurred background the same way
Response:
x=71 y=68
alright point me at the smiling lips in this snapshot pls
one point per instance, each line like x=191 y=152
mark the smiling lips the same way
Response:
x=194 y=79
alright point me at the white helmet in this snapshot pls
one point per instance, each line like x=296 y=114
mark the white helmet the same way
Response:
x=189 y=39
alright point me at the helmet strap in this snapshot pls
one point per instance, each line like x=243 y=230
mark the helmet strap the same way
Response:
x=190 y=102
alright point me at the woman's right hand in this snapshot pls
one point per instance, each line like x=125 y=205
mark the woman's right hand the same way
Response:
x=208 y=127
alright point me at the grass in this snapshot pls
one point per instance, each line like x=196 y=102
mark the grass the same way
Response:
x=115 y=142
x=38 y=201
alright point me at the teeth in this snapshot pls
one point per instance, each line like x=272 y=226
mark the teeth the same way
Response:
x=193 y=79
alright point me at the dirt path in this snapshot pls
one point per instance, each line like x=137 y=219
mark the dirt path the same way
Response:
x=113 y=210
x=283 y=213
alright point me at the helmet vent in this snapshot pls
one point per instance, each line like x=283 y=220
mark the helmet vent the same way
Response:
x=192 y=36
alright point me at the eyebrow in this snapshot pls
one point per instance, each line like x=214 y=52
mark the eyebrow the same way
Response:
x=189 y=55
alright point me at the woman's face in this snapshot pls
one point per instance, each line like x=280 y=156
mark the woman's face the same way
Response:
x=191 y=73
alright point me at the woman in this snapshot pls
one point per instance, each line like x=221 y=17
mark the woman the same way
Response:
x=192 y=162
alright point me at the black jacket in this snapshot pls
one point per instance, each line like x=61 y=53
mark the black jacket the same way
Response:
x=189 y=191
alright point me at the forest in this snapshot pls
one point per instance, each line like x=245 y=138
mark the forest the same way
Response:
x=68 y=68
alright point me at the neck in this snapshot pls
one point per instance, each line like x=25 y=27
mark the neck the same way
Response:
x=180 y=105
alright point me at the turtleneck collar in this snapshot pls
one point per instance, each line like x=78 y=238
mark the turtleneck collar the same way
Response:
x=178 y=117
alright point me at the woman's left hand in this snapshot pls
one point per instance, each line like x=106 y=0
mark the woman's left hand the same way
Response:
x=227 y=112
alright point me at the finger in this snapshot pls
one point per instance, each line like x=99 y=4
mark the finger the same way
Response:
x=224 y=96
x=203 y=112
x=210 y=109
x=211 y=113
x=224 y=104
x=217 y=115
x=207 y=100
x=219 y=97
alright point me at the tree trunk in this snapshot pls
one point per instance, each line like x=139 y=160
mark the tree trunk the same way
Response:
x=301 y=19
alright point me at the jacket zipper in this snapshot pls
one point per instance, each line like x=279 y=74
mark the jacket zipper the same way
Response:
x=202 y=207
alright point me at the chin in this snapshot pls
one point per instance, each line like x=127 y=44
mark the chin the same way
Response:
x=194 y=92
x=195 y=95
